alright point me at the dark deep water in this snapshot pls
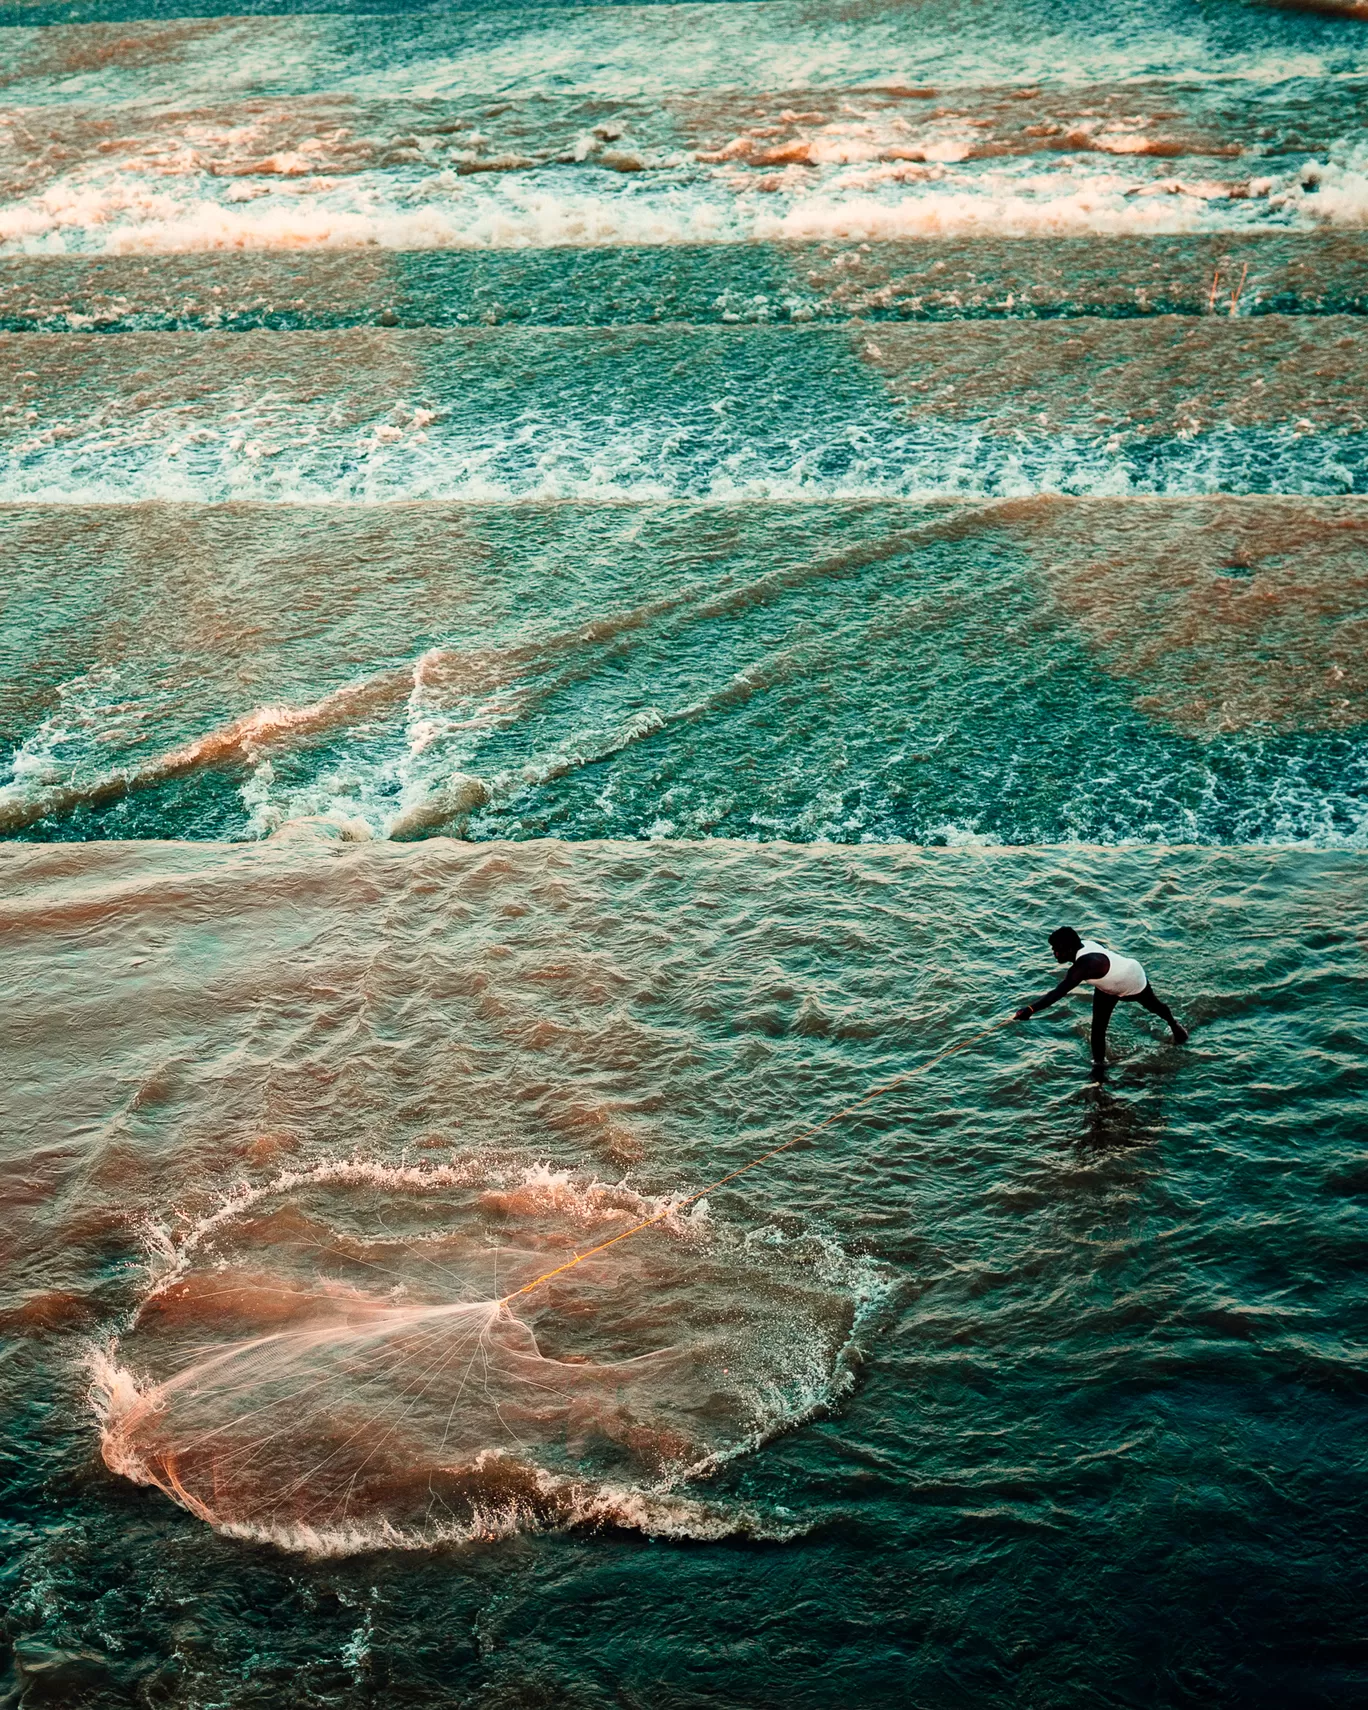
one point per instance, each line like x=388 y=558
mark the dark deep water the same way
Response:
x=582 y=585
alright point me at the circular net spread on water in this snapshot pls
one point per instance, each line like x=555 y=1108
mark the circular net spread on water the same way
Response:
x=333 y=1362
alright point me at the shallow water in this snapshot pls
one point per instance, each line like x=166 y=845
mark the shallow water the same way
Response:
x=584 y=585
x=1113 y=671
x=1106 y=1390
x=941 y=279
x=727 y=123
x=1174 y=405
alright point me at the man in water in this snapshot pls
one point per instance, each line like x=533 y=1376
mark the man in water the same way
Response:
x=1114 y=979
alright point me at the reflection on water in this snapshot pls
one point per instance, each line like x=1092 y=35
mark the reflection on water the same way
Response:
x=1112 y=1121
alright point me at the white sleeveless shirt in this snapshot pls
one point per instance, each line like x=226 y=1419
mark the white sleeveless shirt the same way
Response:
x=1125 y=978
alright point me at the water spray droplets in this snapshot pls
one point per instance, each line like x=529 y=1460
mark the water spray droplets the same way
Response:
x=341 y=1360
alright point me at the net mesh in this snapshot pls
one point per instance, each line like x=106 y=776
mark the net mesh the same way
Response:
x=344 y=1360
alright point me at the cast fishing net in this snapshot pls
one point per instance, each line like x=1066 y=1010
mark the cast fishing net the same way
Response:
x=344 y=1359
x=362 y=1355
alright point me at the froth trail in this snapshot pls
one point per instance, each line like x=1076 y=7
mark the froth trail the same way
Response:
x=1168 y=405
x=800 y=165
x=454 y=681
x=614 y=126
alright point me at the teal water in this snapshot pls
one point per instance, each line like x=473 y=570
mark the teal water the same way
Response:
x=1099 y=1438
x=583 y=585
x=847 y=672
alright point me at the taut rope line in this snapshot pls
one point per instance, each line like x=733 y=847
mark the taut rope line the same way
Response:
x=743 y=1169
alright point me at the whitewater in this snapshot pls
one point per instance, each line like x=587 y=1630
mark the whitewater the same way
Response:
x=584 y=584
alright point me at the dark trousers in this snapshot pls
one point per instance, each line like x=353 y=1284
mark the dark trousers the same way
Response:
x=1103 y=1005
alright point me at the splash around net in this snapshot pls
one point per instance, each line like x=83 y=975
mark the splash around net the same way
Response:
x=343 y=1360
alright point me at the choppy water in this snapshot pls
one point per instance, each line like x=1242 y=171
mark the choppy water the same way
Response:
x=583 y=584
x=1104 y=1395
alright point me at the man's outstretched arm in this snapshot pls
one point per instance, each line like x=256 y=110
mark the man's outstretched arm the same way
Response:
x=1090 y=967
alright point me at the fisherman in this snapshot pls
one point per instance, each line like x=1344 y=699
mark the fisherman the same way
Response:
x=1113 y=978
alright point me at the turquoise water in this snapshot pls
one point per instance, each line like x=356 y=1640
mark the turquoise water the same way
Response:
x=585 y=585
x=1098 y=1436
x=850 y=672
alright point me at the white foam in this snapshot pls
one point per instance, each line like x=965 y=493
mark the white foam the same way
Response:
x=130 y=210
x=801 y=1373
x=607 y=462
x=576 y=1504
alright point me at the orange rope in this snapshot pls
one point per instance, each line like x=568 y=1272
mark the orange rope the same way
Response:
x=712 y=1187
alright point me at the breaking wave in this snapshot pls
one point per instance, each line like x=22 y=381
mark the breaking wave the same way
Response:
x=130 y=213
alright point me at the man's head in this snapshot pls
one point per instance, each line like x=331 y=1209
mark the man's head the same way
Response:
x=1066 y=944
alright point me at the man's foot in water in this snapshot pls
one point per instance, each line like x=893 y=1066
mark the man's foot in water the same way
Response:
x=1098 y=1070
x=1180 y=1034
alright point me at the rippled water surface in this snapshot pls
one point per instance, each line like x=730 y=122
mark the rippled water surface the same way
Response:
x=1015 y=672
x=1045 y=1382
x=583 y=585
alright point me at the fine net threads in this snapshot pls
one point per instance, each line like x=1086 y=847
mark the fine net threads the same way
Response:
x=362 y=1355
x=354 y=1359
